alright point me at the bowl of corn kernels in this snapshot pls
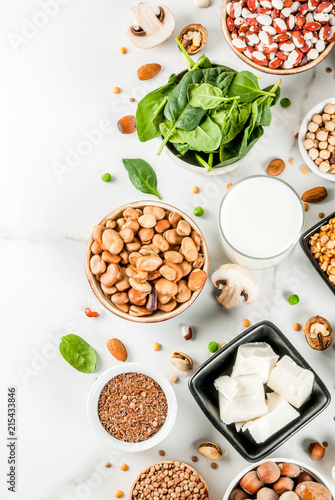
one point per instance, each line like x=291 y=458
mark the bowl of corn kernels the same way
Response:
x=317 y=139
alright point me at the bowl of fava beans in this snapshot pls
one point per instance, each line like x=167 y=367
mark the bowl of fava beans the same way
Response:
x=147 y=261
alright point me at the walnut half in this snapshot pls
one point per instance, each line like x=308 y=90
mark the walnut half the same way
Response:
x=318 y=332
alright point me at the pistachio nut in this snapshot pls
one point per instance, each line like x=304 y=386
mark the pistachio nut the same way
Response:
x=210 y=450
x=181 y=361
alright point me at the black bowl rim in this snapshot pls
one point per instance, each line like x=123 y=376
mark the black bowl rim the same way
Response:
x=304 y=364
x=304 y=243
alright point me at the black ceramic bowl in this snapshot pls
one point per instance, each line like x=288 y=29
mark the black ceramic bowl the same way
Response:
x=304 y=242
x=202 y=388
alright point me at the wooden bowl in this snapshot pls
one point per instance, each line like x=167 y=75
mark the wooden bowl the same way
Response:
x=165 y=462
x=266 y=69
x=157 y=316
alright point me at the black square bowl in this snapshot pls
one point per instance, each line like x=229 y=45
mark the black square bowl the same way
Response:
x=202 y=389
x=304 y=242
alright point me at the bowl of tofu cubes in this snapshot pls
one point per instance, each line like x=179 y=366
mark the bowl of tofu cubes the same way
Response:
x=258 y=391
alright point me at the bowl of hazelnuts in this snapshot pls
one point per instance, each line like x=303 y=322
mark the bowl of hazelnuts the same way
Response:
x=317 y=139
x=279 y=479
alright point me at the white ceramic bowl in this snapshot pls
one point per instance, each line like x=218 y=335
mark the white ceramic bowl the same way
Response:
x=317 y=109
x=93 y=398
x=307 y=468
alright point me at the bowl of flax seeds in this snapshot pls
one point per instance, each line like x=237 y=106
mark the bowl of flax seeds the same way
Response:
x=132 y=407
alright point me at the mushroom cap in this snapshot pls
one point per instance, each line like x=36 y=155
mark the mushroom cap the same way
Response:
x=152 y=27
x=237 y=277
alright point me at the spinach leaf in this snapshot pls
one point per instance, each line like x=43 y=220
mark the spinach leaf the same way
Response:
x=181 y=148
x=150 y=110
x=276 y=91
x=142 y=175
x=264 y=103
x=174 y=137
x=231 y=117
x=245 y=85
x=220 y=76
x=78 y=353
x=202 y=63
x=207 y=96
x=229 y=153
x=205 y=137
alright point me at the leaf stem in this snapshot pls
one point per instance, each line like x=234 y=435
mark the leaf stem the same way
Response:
x=203 y=162
x=210 y=159
x=162 y=104
x=165 y=140
x=188 y=60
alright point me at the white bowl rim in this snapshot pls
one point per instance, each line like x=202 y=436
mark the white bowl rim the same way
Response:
x=302 y=134
x=305 y=467
x=93 y=398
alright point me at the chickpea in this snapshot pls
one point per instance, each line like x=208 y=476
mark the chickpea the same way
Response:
x=313 y=153
x=310 y=135
x=331 y=140
x=330 y=148
x=324 y=167
x=317 y=119
x=330 y=126
x=323 y=144
x=326 y=117
x=308 y=143
x=318 y=161
x=321 y=135
x=324 y=154
x=329 y=108
x=312 y=127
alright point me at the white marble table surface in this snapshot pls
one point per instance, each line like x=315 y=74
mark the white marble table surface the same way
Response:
x=58 y=72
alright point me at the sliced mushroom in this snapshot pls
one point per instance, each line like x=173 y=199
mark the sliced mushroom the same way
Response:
x=153 y=27
x=236 y=284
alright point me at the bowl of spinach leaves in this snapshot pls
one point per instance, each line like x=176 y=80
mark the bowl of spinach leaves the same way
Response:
x=209 y=116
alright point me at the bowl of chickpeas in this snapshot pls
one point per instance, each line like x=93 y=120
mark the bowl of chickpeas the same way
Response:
x=317 y=139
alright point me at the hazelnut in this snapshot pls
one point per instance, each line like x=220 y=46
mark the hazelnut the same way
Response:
x=251 y=482
x=318 y=333
x=238 y=494
x=289 y=495
x=283 y=484
x=316 y=450
x=304 y=476
x=289 y=470
x=268 y=472
x=267 y=494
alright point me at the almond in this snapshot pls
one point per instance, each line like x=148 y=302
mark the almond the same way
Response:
x=275 y=167
x=314 y=195
x=148 y=71
x=127 y=124
x=117 y=349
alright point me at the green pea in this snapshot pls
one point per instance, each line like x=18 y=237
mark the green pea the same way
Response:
x=106 y=177
x=293 y=299
x=198 y=211
x=285 y=102
x=213 y=346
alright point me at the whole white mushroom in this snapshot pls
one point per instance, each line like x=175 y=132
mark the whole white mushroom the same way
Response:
x=236 y=284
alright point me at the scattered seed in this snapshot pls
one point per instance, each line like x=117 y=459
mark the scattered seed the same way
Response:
x=328 y=70
x=296 y=327
x=132 y=99
x=91 y=314
x=246 y=323
x=214 y=465
x=325 y=444
x=108 y=465
x=321 y=215
x=296 y=135
x=229 y=185
x=116 y=90
x=194 y=458
x=198 y=211
x=118 y=493
x=106 y=177
x=173 y=378
x=123 y=50
x=124 y=467
x=305 y=207
x=213 y=347
x=222 y=345
x=156 y=346
x=162 y=453
x=292 y=161
x=305 y=170
x=195 y=189
x=285 y=102
x=293 y=300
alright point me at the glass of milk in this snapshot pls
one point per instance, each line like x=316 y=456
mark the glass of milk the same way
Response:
x=260 y=221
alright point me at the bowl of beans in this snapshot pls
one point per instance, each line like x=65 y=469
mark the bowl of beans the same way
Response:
x=281 y=37
x=147 y=261
x=169 y=479
x=278 y=479
x=317 y=139
x=132 y=407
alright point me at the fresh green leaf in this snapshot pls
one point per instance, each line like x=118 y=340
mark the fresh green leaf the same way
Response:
x=181 y=148
x=174 y=138
x=245 y=85
x=141 y=175
x=220 y=76
x=207 y=96
x=78 y=353
x=276 y=91
x=231 y=118
x=202 y=63
x=205 y=137
x=188 y=60
x=150 y=111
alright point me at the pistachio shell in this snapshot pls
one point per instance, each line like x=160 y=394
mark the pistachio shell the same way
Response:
x=210 y=450
x=181 y=361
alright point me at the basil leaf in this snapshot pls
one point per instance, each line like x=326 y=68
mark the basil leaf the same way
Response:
x=245 y=85
x=78 y=353
x=142 y=176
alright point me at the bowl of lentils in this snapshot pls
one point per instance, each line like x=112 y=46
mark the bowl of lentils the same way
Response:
x=132 y=407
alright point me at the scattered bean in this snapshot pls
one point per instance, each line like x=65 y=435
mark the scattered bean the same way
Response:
x=296 y=327
x=292 y=161
x=124 y=467
x=246 y=323
x=161 y=453
x=304 y=170
x=198 y=211
x=156 y=346
x=108 y=465
x=118 y=493
x=285 y=102
x=116 y=90
x=321 y=215
x=91 y=314
x=106 y=177
x=173 y=379
x=213 y=347
x=293 y=300
x=123 y=50
x=195 y=189
x=305 y=206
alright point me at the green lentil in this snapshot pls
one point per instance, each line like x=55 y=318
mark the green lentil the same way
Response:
x=285 y=102
x=213 y=346
x=198 y=211
x=293 y=300
x=106 y=177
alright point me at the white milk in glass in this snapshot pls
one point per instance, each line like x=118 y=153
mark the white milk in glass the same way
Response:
x=260 y=221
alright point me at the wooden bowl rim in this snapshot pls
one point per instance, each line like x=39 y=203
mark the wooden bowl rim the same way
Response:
x=166 y=462
x=161 y=316
x=266 y=69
